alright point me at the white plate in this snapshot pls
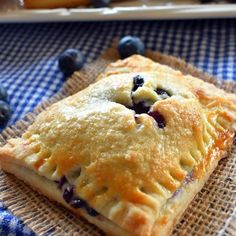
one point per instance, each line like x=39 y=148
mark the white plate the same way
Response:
x=12 y=11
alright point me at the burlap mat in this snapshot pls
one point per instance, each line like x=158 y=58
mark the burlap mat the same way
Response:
x=212 y=212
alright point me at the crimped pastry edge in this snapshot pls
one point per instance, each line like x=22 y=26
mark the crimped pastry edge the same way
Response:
x=183 y=200
x=174 y=208
x=53 y=194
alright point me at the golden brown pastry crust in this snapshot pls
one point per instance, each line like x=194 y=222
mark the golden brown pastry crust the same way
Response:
x=130 y=168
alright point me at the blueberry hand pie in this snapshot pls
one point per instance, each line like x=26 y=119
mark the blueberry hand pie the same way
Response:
x=129 y=152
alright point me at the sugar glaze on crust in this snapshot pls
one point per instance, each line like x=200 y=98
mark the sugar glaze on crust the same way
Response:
x=137 y=145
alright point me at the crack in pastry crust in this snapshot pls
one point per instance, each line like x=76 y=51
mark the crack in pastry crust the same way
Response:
x=131 y=161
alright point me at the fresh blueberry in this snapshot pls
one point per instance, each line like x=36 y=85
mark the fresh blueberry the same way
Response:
x=78 y=203
x=140 y=107
x=206 y=1
x=162 y=92
x=5 y=113
x=91 y=211
x=3 y=93
x=100 y=3
x=130 y=45
x=68 y=193
x=138 y=82
x=70 y=61
x=158 y=118
x=234 y=139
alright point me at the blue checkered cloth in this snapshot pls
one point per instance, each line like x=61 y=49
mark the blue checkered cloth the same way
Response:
x=10 y=225
x=29 y=52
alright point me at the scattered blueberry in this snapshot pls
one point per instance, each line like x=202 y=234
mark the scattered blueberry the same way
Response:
x=140 y=107
x=162 y=92
x=5 y=113
x=3 y=93
x=78 y=203
x=206 y=1
x=91 y=211
x=158 y=118
x=138 y=82
x=100 y=3
x=70 y=61
x=130 y=45
x=68 y=193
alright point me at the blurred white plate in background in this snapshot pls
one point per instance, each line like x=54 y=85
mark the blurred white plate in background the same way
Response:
x=12 y=11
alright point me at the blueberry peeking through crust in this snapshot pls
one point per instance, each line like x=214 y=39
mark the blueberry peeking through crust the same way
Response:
x=70 y=198
x=91 y=211
x=78 y=203
x=158 y=118
x=68 y=193
x=143 y=107
x=140 y=108
x=62 y=181
x=162 y=92
x=138 y=81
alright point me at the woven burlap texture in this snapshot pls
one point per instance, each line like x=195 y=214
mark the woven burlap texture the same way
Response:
x=212 y=212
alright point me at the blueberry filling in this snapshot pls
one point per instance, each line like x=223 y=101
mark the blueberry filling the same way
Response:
x=68 y=193
x=78 y=203
x=162 y=92
x=176 y=193
x=62 y=181
x=138 y=82
x=143 y=107
x=91 y=211
x=187 y=180
x=70 y=198
x=158 y=118
x=140 y=107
